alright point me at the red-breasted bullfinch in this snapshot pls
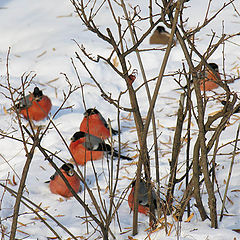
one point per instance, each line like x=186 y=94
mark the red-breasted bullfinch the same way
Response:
x=143 y=206
x=58 y=186
x=94 y=124
x=160 y=36
x=132 y=76
x=210 y=81
x=34 y=106
x=86 y=147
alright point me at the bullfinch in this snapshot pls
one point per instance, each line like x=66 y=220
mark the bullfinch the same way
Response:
x=160 y=36
x=86 y=147
x=210 y=81
x=34 y=106
x=94 y=124
x=143 y=206
x=58 y=186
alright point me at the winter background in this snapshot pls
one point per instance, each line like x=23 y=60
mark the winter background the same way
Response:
x=41 y=34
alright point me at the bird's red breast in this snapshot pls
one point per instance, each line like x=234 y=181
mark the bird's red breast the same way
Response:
x=94 y=125
x=141 y=208
x=132 y=77
x=58 y=186
x=38 y=109
x=210 y=82
x=81 y=154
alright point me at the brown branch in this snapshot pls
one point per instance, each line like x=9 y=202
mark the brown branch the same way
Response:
x=39 y=208
x=22 y=185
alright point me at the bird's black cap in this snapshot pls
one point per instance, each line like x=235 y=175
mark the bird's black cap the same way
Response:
x=77 y=135
x=37 y=92
x=161 y=29
x=91 y=111
x=67 y=167
x=214 y=66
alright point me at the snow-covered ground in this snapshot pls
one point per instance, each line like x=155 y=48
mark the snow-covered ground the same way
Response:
x=41 y=34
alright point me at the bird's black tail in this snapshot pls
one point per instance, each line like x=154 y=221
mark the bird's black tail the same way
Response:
x=108 y=149
x=116 y=154
x=114 y=132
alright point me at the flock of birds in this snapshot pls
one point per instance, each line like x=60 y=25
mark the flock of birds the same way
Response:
x=88 y=144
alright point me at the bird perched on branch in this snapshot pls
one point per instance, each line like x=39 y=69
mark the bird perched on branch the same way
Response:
x=132 y=77
x=86 y=147
x=211 y=78
x=208 y=80
x=143 y=206
x=34 y=106
x=160 y=36
x=58 y=186
x=94 y=124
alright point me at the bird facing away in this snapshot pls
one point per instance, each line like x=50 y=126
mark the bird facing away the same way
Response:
x=58 y=186
x=160 y=36
x=210 y=81
x=94 y=124
x=86 y=147
x=34 y=106
x=143 y=206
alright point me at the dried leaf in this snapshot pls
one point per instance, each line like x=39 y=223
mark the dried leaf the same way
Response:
x=53 y=80
x=131 y=163
x=37 y=218
x=125 y=232
x=22 y=224
x=180 y=185
x=115 y=62
x=40 y=55
x=125 y=177
x=43 y=168
x=236 y=190
x=230 y=200
x=147 y=229
x=5 y=111
x=106 y=189
x=64 y=16
x=14 y=182
x=175 y=218
x=158 y=228
x=170 y=230
x=60 y=215
x=10 y=182
x=23 y=232
x=213 y=113
x=60 y=200
x=135 y=156
x=190 y=217
x=131 y=238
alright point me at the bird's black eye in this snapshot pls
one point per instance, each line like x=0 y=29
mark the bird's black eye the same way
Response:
x=70 y=173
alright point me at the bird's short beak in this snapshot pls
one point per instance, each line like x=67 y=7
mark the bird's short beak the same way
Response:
x=71 y=172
